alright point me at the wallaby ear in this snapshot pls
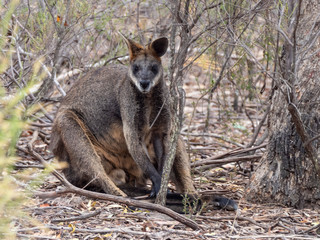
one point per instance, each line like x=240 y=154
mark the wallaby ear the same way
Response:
x=134 y=48
x=159 y=46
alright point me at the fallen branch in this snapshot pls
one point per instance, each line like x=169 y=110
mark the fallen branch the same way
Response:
x=237 y=152
x=27 y=236
x=99 y=231
x=69 y=188
x=157 y=235
x=41 y=124
x=214 y=136
x=311 y=229
x=20 y=166
x=228 y=218
x=76 y=218
x=226 y=160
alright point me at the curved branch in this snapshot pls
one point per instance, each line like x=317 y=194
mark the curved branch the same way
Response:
x=69 y=188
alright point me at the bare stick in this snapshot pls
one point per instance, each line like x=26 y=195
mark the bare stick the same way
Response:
x=214 y=136
x=238 y=151
x=312 y=228
x=228 y=218
x=27 y=236
x=257 y=130
x=69 y=188
x=151 y=235
x=76 y=218
x=226 y=160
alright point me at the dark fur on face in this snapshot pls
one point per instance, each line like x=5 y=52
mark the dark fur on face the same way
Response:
x=145 y=72
x=146 y=69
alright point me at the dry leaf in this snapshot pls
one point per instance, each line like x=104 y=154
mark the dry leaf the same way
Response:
x=73 y=227
x=45 y=205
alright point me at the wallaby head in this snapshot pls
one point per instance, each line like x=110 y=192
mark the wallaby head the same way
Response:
x=145 y=63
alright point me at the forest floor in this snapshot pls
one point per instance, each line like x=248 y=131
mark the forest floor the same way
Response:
x=224 y=141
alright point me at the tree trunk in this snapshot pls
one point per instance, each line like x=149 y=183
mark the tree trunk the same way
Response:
x=288 y=171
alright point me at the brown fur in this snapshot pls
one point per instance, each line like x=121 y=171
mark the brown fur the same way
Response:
x=118 y=176
x=102 y=128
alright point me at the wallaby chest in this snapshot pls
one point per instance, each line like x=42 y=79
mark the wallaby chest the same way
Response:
x=151 y=112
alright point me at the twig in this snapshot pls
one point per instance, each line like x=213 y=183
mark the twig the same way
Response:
x=311 y=140
x=41 y=124
x=217 y=83
x=18 y=166
x=257 y=130
x=101 y=231
x=271 y=236
x=311 y=229
x=197 y=17
x=76 y=218
x=228 y=218
x=57 y=84
x=51 y=207
x=137 y=23
x=285 y=227
x=214 y=136
x=226 y=160
x=157 y=235
x=239 y=151
x=27 y=236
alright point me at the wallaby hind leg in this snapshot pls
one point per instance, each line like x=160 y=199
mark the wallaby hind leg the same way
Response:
x=181 y=170
x=83 y=159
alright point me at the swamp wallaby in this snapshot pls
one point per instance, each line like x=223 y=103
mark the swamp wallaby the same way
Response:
x=113 y=125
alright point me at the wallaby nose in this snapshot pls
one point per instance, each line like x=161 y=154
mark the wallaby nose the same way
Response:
x=144 y=84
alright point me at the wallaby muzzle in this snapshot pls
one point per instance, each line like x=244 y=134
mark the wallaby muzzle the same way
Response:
x=145 y=84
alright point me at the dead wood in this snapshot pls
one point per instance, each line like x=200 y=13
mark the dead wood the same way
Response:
x=161 y=234
x=19 y=166
x=257 y=130
x=81 y=217
x=312 y=228
x=130 y=202
x=226 y=160
x=238 y=151
x=214 y=136
x=234 y=218
x=28 y=236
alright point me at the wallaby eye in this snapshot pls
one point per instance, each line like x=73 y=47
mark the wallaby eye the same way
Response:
x=154 y=69
x=135 y=68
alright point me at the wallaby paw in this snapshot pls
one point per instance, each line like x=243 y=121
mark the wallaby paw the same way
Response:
x=153 y=193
